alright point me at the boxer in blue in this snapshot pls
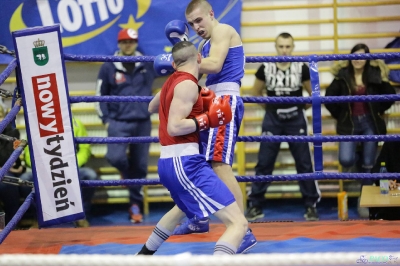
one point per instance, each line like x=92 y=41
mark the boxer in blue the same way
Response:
x=194 y=186
x=223 y=62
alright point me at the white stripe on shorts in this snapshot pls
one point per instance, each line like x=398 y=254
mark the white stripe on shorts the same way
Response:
x=189 y=186
x=203 y=195
x=210 y=134
x=230 y=136
x=231 y=127
x=197 y=194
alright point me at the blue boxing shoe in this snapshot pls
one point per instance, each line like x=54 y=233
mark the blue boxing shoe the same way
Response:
x=193 y=226
x=249 y=241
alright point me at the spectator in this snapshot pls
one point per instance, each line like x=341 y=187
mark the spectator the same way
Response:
x=283 y=79
x=83 y=154
x=127 y=119
x=390 y=156
x=9 y=194
x=359 y=77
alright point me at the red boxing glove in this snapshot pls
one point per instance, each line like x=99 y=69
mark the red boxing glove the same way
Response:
x=207 y=95
x=219 y=114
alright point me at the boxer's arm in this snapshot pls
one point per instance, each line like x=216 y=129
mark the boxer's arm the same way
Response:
x=307 y=86
x=154 y=104
x=219 y=49
x=258 y=87
x=103 y=88
x=199 y=49
x=258 y=90
x=185 y=96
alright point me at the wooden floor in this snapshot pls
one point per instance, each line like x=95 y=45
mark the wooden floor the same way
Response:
x=50 y=241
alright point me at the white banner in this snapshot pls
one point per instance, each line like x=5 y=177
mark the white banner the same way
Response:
x=48 y=124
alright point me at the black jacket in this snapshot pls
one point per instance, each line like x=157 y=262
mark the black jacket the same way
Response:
x=377 y=84
x=390 y=155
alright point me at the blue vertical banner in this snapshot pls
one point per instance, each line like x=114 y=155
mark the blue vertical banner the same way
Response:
x=90 y=27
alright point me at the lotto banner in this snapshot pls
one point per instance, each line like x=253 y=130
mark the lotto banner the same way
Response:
x=90 y=27
x=48 y=124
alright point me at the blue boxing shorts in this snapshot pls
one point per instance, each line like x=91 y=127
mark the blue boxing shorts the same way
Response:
x=218 y=144
x=193 y=185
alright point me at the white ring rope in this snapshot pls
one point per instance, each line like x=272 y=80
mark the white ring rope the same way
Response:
x=187 y=259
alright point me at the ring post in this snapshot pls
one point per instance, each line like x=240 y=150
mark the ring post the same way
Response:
x=316 y=113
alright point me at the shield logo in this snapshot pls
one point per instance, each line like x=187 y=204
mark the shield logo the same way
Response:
x=40 y=53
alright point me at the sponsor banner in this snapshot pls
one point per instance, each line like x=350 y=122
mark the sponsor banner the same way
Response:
x=91 y=27
x=48 y=123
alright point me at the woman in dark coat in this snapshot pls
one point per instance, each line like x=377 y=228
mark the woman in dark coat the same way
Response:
x=359 y=77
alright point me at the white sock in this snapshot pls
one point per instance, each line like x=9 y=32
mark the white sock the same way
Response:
x=224 y=248
x=159 y=236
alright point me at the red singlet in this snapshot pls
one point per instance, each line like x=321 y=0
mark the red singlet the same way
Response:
x=167 y=93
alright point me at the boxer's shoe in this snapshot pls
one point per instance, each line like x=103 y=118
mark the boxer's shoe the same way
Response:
x=249 y=241
x=193 y=226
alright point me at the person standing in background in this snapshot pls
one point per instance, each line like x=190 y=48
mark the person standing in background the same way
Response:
x=130 y=119
x=359 y=77
x=280 y=80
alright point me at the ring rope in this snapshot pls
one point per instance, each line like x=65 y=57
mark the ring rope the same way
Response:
x=108 y=58
x=90 y=99
x=259 y=178
x=323 y=57
x=9 y=117
x=317 y=176
x=7 y=71
x=250 y=99
x=249 y=59
x=314 y=138
x=10 y=161
x=281 y=259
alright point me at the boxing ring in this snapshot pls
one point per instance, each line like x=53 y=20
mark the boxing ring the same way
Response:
x=381 y=236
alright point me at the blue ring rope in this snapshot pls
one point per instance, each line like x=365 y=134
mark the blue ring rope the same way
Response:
x=249 y=59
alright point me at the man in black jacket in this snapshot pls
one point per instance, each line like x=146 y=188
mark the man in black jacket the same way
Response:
x=283 y=79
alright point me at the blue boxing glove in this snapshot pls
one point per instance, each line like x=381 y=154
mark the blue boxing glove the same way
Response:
x=177 y=31
x=163 y=64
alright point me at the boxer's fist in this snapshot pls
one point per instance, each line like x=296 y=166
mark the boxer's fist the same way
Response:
x=163 y=64
x=207 y=95
x=219 y=114
x=177 y=31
